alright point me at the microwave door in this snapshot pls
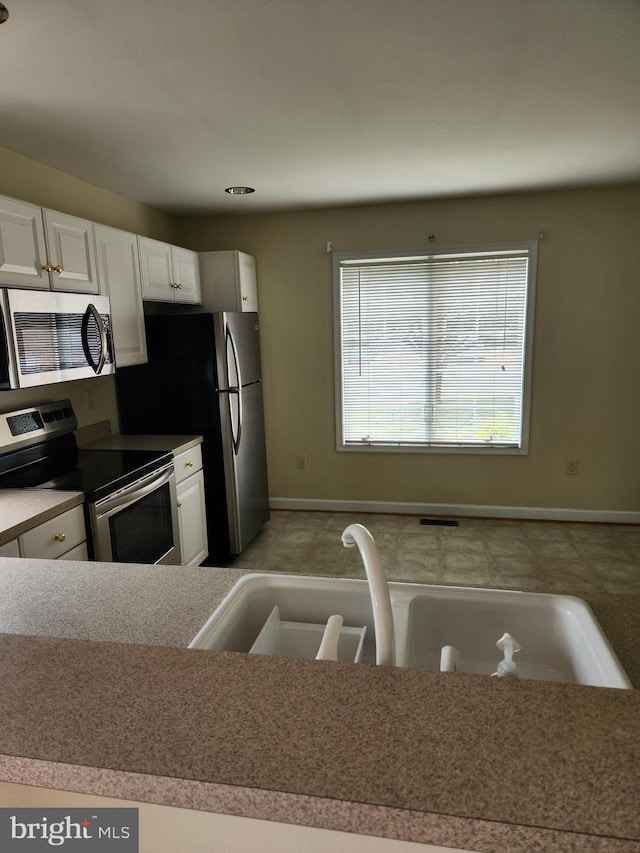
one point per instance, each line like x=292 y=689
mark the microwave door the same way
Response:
x=8 y=365
x=56 y=337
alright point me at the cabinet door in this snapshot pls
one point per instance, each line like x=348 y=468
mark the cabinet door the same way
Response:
x=71 y=253
x=248 y=282
x=186 y=274
x=193 y=520
x=22 y=246
x=228 y=281
x=155 y=270
x=10 y=549
x=119 y=279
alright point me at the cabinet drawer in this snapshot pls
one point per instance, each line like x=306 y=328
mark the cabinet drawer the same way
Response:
x=56 y=536
x=187 y=463
x=10 y=549
x=80 y=552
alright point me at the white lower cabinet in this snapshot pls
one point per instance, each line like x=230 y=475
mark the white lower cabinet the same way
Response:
x=57 y=538
x=192 y=510
x=10 y=549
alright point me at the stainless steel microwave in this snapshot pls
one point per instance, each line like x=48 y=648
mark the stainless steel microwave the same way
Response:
x=53 y=337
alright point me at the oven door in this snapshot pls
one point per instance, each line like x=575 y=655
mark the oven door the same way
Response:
x=138 y=524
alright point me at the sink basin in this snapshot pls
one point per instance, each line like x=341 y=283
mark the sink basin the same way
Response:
x=560 y=637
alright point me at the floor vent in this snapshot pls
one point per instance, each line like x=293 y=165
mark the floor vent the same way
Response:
x=442 y=522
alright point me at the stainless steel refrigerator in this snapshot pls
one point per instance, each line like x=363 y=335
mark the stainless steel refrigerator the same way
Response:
x=204 y=377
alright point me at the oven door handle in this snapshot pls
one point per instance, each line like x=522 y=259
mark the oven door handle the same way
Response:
x=133 y=493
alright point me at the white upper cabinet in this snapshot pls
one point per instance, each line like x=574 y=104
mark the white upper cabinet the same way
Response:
x=119 y=278
x=186 y=272
x=71 y=253
x=155 y=270
x=168 y=273
x=228 y=281
x=44 y=249
x=23 y=255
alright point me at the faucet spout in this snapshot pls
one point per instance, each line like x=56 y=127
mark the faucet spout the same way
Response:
x=357 y=534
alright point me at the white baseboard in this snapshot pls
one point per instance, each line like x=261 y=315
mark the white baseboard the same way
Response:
x=460 y=510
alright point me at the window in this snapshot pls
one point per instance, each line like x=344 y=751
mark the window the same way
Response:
x=433 y=349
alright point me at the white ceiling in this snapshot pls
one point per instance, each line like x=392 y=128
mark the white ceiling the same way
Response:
x=323 y=102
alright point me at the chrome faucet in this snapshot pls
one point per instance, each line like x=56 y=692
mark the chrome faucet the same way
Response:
x=357 y=534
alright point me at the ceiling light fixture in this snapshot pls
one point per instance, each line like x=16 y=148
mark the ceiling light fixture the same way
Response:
x=4 y=13
x=239 y=190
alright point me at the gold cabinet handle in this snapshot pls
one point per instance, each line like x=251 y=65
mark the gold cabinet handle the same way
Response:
x=179 y=504
x=58 y=268
x=60 y=537
x=245 y=298
x=173 y=284
x=179 y=286
x=47 y=267
x=189 y=464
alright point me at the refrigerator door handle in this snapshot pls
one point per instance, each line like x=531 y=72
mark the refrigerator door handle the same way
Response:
x=236 y=434
x=231 y=349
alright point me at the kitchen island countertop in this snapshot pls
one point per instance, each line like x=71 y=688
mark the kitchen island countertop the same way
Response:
x=456 y=760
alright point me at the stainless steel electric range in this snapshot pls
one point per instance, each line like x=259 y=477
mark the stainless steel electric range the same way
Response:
x=130 y=495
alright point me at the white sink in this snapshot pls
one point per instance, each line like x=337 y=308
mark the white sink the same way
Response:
x=560 y=637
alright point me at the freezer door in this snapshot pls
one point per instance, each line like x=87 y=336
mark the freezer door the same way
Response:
x=237 y=349
x=245 y=463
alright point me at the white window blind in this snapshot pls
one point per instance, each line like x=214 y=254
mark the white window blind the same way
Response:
x=432 y=349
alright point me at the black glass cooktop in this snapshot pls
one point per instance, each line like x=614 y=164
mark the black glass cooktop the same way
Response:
x=97 y=473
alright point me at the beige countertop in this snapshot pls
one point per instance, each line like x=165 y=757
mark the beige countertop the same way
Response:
x=24 y=509
x=465 y=761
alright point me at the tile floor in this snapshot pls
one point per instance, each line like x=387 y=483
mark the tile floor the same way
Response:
x=531 y=555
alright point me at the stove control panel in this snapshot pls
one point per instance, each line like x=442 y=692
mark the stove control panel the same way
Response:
x=36 y=424
x=24 y=423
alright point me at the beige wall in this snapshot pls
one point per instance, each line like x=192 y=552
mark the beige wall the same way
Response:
x=34 y=182
x=585 y=403
x=586 y=383
x=31 y=181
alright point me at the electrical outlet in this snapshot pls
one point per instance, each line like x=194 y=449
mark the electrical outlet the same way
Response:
x=572 y=467
x=301 y=461
x=90 y=401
